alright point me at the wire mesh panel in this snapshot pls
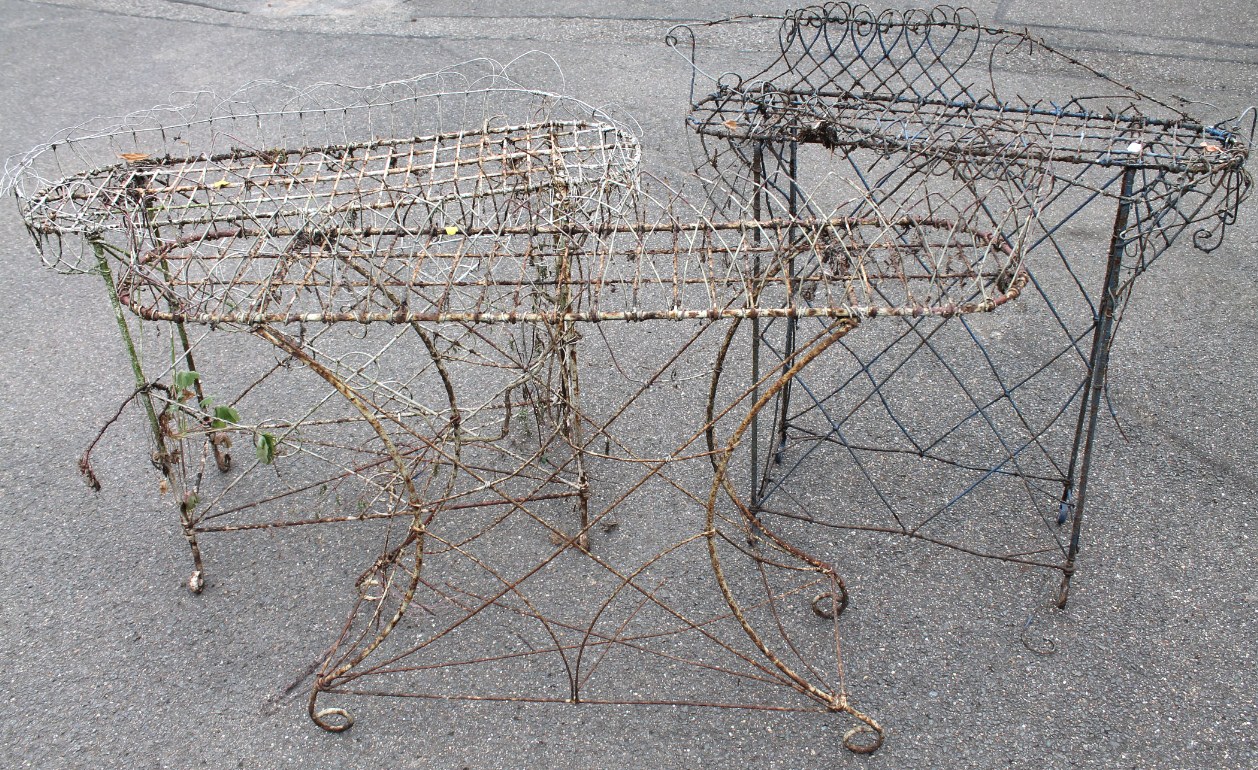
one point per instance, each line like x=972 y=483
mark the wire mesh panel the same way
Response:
x=787 y=109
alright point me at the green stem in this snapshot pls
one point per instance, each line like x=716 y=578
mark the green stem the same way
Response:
x=163 y=458
x=141 y=383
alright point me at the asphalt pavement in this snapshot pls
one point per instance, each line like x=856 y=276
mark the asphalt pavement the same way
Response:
x=108 y=661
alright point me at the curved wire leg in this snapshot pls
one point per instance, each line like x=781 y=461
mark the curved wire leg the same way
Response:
x=415 y=535
x=868 y=735
x=196 y=581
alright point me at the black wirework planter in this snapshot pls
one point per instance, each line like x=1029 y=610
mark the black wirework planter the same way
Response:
x=840 y=96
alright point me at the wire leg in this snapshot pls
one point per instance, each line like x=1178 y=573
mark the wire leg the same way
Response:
x=161 y=452
x=1098 y=366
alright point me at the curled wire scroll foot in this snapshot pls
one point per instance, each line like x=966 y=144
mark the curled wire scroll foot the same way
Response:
x=829 y=604
x=864 y=738
x=1042 y=646
x=334 y=720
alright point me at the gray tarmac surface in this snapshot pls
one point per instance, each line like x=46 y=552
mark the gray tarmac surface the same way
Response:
x=109 y=662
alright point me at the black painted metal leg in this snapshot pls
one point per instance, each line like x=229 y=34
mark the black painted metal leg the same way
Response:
x=1098 y=366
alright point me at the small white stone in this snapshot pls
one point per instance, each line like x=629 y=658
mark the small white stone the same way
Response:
x=1135 y=148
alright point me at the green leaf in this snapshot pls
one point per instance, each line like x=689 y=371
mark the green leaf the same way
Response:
x=186 y=380
x=224 y=416
x=265 y=445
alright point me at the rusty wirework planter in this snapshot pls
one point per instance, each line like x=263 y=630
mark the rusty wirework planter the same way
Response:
x=437 y=266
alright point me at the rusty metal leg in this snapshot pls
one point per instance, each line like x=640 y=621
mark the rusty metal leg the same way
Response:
x=570 y=384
